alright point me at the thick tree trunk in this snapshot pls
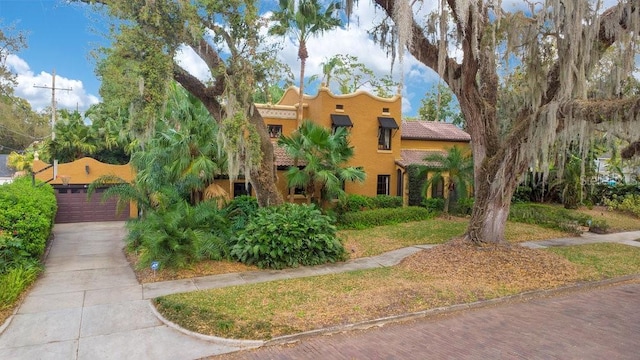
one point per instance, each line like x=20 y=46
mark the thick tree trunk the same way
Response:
x=263 y=177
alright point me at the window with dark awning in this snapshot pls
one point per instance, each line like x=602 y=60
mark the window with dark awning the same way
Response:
x=388 y=123
x=340 y=120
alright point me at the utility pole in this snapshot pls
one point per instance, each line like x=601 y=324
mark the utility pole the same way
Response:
x=53 y=114
x=53 y=101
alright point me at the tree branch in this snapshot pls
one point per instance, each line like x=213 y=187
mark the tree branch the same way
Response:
x=615 y=17
x=600 y=111
x=206 y=94
x=425 y=51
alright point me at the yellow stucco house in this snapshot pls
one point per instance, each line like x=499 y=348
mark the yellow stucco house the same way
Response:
x=384 y=145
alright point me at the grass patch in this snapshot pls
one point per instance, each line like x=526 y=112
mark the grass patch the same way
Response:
x=516 y=232
x=549 y=216
x=603 y=260
x=450 y=274
x=618 y=221
x=377 y=240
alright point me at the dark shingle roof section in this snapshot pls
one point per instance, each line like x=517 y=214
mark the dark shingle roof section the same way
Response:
x=5 y=171
x=416 y=157
x=433 y=130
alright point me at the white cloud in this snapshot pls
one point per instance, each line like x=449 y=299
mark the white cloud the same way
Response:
x=354 y=40
x=39 y=98
x=192 y=63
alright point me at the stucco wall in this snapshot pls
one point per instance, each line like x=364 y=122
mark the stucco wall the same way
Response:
x=363 y=109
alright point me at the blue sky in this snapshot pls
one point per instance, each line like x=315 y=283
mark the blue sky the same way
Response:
x=61 y=36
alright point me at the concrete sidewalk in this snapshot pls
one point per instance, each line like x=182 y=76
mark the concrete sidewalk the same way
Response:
x=88 y=304
x=152 y=290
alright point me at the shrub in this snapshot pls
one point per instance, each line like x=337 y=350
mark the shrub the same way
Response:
x=549 y=217
x=386 y=202
x=353 y=203
x=599 y=227
x=434 y=204
x=604 y=192
x=14 y=282
x=630 y=204
x=463 y=206
x=12 y=253
x=287 y=236
x=416 y=185
x=180 y=234
x=240 y=210
x=371 y=218
x=27 y=213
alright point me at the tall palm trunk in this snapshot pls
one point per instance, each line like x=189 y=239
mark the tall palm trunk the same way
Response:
x=303 y=55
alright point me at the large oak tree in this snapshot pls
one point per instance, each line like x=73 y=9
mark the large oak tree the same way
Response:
x=225 y=36
x=475 y=44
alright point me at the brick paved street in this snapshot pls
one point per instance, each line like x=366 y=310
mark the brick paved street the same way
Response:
x=600 y=323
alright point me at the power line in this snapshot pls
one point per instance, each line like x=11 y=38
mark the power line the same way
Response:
x=53 y=101
x=2 y=147
x=21 y=134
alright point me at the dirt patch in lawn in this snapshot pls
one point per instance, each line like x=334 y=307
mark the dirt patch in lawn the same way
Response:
x=499 y=267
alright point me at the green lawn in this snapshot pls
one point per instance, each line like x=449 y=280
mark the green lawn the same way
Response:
x=442 y=276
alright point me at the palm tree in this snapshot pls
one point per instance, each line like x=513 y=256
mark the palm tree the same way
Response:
x=324 y=155
x=458 y=166
x=74 y=139
x=304 y=18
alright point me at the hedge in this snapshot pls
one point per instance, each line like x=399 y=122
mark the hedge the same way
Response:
x=377 y=217
x=27 y=213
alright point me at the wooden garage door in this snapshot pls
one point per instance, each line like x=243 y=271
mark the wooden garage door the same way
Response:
x=73 y=206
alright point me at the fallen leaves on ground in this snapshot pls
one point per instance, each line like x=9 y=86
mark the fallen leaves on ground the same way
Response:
x=508 y=266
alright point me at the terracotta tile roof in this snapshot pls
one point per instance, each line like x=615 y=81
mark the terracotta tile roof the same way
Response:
x=433 y=130
x=282 y=158
x=411 y=157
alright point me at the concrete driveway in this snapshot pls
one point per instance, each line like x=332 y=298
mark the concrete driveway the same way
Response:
x=89 y=305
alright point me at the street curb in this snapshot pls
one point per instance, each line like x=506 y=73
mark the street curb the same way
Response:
x=240 y=344
x=380 y=322
x=526 y=296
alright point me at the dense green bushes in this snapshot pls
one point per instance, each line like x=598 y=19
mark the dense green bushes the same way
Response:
x=630 y=204
x=370 y=218
x=354 y=202
x=27 y=213
x=603 y=193
x=26 y=219
x=287 y=236
x=181 y=234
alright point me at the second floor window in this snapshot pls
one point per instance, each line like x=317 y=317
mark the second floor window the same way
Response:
x=385 y=132
x=275 y=131
x=384 y=139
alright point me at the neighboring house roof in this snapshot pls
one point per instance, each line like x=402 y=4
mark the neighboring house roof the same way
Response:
x=416 y=157
x=433 y=130
x=5 y=171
